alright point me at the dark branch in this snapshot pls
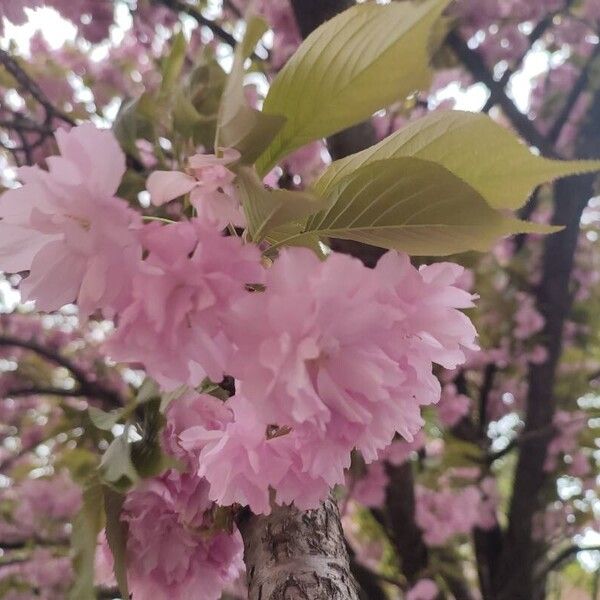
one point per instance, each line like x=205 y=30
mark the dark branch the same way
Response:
x=31 y=87
x=554 y=301
x=537 y=32
x=87 y=387
x=476 y=66
x=565 y=555
x=572 y=98
x=193 y=12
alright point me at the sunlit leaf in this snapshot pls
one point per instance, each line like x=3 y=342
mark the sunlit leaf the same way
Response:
x=117 y=467
x=412 y=205
x=363 y=59
x=486 y=155
x=173 y=63
x=240 y=126
x=266 y=208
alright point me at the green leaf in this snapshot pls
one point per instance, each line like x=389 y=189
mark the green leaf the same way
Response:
x=86 y=526
x=238 y=125
x=104 y=420
x=413 y=205
x=266 y=208
x=135 y=120
x=289 y=235
x=472 y=146
x=116 y=536
x=362 y=60
x=173 y=63
x=149 y=390
x=116 y=466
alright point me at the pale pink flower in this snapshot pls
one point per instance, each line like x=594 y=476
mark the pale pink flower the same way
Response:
x=580 y=465
x=175 y=324
x=240 y=463
x=369 y=490
x=311 y=349
x=568 y=425
x=172 y=552
x=210 y=184
x=452 y=406
x=424 y=589
x=443 y=513
x=399 y=451
x=190 y=413
x=528 y=320
x=67 y=228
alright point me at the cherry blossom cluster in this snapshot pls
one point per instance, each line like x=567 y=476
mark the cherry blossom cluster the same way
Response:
x=327 y=355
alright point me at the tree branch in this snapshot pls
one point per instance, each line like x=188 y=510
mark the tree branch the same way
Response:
x=32 y=88
x=193 y=12
x=87 y=387
x=554 y=300
x=537 y=32
x=566 y=554
x=478 y=69
x=572 y=98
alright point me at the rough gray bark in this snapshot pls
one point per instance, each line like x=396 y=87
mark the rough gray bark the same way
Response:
x=295 y=555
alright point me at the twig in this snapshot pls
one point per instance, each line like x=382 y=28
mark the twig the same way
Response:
x=566 y=554
x=521 y=439
x=29 y=85
x=91 y=389
x=572 y=98
x=477 y=67
x=537 y=32
x=193 y=12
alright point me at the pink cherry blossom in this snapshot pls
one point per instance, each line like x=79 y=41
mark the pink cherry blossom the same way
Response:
x=175 y=324
x=399 y=451
x=210 y=183
x=443 y=513
x=187 y=414
x=171 y=549
x=527 y=318
x=66 y=227
x=326 y=373
x=424 y=589
x=452 y=406
x=340 y=366
x=370 y=489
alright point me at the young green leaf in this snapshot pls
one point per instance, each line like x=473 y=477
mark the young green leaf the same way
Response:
x=116 y=536
x=363 y=59
x=86 y=526
x=266 y=209
x=412 y=205
x=238 y=125
x=173 y=63
x=104 y=420
x=486 y=155
x=117 y=467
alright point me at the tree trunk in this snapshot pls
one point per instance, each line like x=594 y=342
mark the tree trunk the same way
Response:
x=295 y=555
x=514 y=579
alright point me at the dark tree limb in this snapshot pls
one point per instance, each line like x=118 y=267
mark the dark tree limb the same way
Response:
x=536 y=33
x=28 y=85
x=400 y=518
x=474 y=63
x=567 y=554
x=554 y=300
x=192 y=11
x=86 y=386
x=578 y=88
